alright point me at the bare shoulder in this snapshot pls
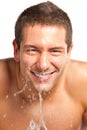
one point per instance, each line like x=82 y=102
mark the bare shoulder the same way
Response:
x=5 y=67
x=82 y=65
x=77 y=85
x=77 y=80
x=5 y=74
x=79 y=70
x=80 y=73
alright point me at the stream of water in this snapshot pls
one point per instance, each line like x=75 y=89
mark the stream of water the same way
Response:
x=35 y=126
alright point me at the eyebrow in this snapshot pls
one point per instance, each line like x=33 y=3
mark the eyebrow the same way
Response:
x=57 y=48
x=27 y=46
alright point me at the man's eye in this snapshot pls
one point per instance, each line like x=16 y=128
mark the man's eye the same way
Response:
x=56 y=51
x=32 y=50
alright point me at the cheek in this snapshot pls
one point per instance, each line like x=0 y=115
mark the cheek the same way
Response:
x=27 y=61
x=60 y=61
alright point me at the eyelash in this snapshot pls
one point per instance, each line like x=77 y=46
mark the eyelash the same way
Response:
x=56 y=51
x=32 y=50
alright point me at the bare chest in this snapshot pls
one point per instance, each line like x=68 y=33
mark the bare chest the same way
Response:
x=60 y=115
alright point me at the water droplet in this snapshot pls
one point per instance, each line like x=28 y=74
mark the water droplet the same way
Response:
x=5 y=115
x=6 y=97
x=22 y=107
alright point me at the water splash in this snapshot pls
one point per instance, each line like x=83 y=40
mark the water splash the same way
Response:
x=5 y=115
x=33 y=125
x=25 y=82
x=41 y=124
x=20 y=91
x=6 y=97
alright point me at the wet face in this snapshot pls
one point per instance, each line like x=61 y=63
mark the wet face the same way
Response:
x=43 y=56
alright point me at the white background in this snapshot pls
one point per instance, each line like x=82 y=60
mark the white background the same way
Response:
x=76 y=9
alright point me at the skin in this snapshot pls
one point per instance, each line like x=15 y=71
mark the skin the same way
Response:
x=43 y=65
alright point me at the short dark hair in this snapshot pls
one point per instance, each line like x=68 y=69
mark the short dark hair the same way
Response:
x=45 y=13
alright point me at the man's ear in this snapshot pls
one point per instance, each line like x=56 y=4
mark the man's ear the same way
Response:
x=16 y=51
x=70 y=49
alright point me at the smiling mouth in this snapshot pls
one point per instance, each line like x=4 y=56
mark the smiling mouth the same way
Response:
x=42 y=76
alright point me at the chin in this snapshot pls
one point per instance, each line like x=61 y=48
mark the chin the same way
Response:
x=43 y=87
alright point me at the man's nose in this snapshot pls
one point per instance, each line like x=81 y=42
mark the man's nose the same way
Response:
x=43 y=62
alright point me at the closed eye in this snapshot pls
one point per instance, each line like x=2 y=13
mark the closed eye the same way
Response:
x=31 y=49
x=56 y=51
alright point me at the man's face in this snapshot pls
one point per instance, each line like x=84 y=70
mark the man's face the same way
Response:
x=43 y=55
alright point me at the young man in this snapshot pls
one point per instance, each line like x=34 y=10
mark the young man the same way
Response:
x=42 y=69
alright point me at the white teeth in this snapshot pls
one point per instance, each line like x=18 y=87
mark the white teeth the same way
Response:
x=42 y=76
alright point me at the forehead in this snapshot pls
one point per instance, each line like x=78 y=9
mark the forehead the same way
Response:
x=44 y=34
